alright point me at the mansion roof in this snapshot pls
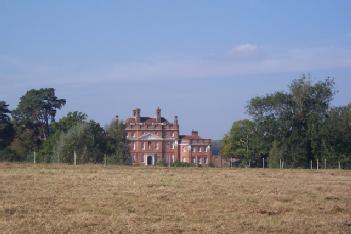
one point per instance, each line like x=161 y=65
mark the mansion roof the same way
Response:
x=146 y=120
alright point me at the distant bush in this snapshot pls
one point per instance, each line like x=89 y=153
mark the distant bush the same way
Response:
x=161 y=163
x=83 y=139
x=181 y=164
x=9 y=155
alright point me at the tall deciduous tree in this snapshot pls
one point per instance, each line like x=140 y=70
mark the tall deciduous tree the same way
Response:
x=336 y=136
x=62 y=126
x=6 y=128
x=117 y=142
x=241 y=141
x=294 y=119
x=87 y=139
x=274 y=156
x=70 y=120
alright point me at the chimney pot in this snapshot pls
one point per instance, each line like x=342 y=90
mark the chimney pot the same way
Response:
x=158 y=115
x=176 y=119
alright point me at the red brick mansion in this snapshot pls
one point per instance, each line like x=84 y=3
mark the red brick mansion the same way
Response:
x=154 y=139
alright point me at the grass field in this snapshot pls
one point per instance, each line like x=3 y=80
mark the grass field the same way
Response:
x=84 y=199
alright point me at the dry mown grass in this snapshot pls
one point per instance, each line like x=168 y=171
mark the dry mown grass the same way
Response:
x=69 y=199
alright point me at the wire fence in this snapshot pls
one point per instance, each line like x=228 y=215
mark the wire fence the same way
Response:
x=223 y=162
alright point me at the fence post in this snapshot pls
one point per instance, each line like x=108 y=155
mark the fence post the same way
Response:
x=105 y=159
x=339 y=165
x=75 y=157
x=34 y=157
x=311 y=165
x=317 y=164
x=263 y=162
x=280 y=163
x=325 y=163
x=169 y=161
x=249 y=163
x=196 y=160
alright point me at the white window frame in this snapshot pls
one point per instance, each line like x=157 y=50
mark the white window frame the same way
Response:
x=143 y=145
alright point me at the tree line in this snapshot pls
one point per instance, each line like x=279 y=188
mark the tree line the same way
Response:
x=296 y=127
x=31 y=127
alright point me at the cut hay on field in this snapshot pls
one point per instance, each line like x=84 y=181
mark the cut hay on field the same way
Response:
x=93 y=198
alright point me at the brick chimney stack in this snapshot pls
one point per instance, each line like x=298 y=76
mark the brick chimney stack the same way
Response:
x=136 y=115
x=194 y=133
x=176 y=120
x=158 y=115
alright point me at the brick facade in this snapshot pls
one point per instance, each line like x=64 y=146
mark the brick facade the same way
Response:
x=154 y=139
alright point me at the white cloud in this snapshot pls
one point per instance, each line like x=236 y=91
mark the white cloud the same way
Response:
x=246 y=49
x=301 y=60
x=297 y=60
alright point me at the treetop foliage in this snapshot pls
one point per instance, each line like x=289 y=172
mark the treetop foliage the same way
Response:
x=6 y=128
x=295 y=126
x=299 y=125
x=33 y=129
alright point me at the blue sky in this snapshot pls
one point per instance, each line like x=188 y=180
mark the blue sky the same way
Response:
x=201 y=60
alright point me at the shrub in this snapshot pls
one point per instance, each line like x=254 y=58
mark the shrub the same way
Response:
x=181 y=164
x=9 y=155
